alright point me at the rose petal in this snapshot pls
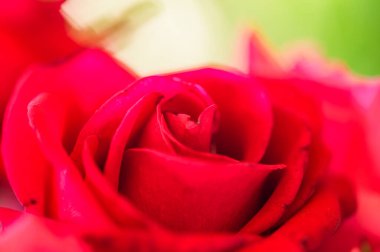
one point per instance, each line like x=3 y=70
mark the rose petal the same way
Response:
x=285 y=93
x=127 y=134
x=318 y=163
x=121 y=211
x=289 y=149
x=274 y=243
x=153 y=137
x=65 y=195
x=316 y=221
x=160 y=240
x=212 y=242
x=188 y=194
x=351 y=236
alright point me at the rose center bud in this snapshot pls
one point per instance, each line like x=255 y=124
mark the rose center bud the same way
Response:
x=183 y=122
x=195 y=134
x=156 y=148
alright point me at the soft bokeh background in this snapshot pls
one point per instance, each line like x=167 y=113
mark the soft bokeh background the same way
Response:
x=152 y=36
x=348 y=30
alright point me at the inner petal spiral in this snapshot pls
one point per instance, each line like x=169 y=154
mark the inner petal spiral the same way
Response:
x=197 y=135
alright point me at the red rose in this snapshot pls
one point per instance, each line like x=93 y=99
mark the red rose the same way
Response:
x=206 y=160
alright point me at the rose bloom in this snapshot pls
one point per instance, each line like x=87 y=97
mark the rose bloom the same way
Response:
x=202 y=160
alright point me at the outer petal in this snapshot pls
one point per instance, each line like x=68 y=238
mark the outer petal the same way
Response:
x=315 y=222
x=86 y=81
x=319 y=219
x=287 y=96
x=282 y=188
x=66 y=196
x=187 y=194
x=351 y=236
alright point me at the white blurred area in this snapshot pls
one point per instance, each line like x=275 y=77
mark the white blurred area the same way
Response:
x=152 y=36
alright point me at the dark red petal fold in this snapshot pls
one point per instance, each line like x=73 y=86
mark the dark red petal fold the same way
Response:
x=121 y=211
x=290 y=149
x=317 y=220
x=127 y=133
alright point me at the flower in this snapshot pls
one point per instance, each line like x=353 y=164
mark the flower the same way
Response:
x=184 y=161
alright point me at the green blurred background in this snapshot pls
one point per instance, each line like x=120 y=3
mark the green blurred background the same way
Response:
x=348 y=30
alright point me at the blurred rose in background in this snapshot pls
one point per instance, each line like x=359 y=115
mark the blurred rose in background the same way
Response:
x=347 y=30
